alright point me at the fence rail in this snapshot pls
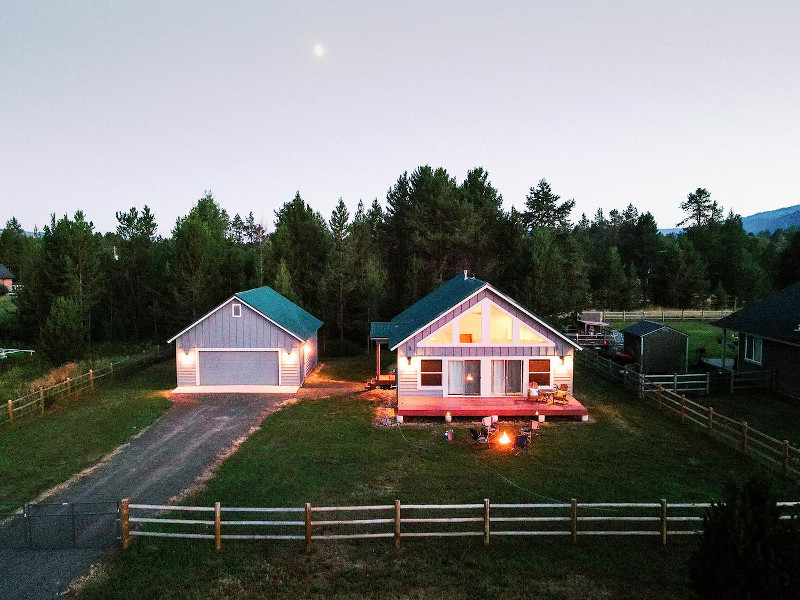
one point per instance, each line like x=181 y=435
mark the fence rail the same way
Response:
x=749 y=441
x=397 y=521
x=665 y=315
x=37 y=401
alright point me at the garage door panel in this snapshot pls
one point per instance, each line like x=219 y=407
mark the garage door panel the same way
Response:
x=219 y=367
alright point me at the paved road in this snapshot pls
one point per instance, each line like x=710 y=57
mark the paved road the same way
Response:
x=153 y=468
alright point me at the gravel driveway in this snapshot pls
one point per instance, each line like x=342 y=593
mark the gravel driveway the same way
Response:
x=154 y=467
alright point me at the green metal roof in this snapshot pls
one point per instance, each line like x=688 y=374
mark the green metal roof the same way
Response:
x=777 y=317
x=281 y=310
x=643 y=328
x=379 y=330
x=5 y=272
x=432 y=306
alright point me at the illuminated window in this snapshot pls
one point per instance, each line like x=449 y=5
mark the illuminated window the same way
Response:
x=500 y=327
x=237 y=310
x=430 y=373
x=539 y=371
x=753 y=348
x=470 y=326
x=507 y=377
x=464 y=377
x=529 y=336
x=443 y=336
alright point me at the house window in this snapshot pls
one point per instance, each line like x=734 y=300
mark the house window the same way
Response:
x=469 y=327
x=237 y=310
x=507 y=377
x=430 y=373
x=464 y=377
x=443 y=336
x=539 y=371
x=529 y=336
x=500 y=327
x=752 y=348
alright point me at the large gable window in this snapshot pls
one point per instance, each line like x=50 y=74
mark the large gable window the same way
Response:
x=529 y=336
x=430 y=373
x=470 y=326
x=500 y=329
x=753 y=347
x=443 y=336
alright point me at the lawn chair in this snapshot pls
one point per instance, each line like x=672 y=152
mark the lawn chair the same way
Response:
x=532 y=431
x=520 y=443
x=488 y=429
x=477 y=437
x=562 y=395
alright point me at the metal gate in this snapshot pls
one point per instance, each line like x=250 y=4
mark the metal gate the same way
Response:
x=51 y=526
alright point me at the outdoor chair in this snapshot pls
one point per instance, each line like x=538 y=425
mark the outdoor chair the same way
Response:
x=477 y=437
x=488 y=428
x=532 y=431
x=561 y=396
x=520 y=443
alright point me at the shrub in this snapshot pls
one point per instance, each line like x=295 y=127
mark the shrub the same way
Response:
x=746 y=551
x=62 y=336
x=3 y=290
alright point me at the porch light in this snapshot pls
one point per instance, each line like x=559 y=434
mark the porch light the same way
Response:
x=187 y=358
x=308 y=349
x=409 y=360
x=562 y=359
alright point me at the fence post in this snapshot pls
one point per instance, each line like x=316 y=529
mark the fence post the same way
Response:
x=663 y=521
x=69 y=387
x=785 y=458
x=308 y=527
x=41 y=400
x=125 y=519
x=675 y=383
x=217 y=526
x=708 y=383
x=91 y=378
x=485 y=521
x=710 y=420
x=744 y=437
x=574 y=518
x=10 y=410
x=397 y=524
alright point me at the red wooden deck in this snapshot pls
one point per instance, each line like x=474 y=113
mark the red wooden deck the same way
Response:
x=481 y=406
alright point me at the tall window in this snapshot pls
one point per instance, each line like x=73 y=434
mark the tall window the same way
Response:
x=464 y=377
x=443 y=336
x=752 y=348
x=470 y=326
x=500 y=327
x=430 y=373
x=507 y=377
x=529 y=336
x=539 y=371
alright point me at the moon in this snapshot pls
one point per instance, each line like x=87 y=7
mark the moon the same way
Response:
x=319 y=50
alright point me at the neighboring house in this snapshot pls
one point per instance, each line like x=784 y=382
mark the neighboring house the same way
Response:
x=657 y=349
x=256 y=341
x=769 y=337
x=6 y=278
x=468 y=349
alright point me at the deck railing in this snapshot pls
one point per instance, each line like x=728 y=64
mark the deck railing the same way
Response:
x=398 y=521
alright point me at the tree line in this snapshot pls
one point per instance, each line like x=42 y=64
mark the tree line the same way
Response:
x=81 y=286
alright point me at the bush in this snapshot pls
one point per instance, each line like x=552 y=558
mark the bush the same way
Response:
x=746 y=551
x=3 y=290
x=62 y=337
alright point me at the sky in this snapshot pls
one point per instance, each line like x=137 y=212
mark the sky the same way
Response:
x=111 y=104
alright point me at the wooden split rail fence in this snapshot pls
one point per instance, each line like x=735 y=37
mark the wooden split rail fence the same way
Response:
x=397 y=521
x=665 y=315
x=749 y=441
x=36 y=401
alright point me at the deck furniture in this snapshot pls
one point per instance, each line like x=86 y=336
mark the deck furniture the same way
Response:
x=520 y=443
x=562 y=395
x=532 y=431
x=488 y=428
x=476 y=437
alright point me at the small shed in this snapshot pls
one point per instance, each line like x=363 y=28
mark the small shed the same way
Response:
x=6 y=277
x=656 y=348
x=257 y=341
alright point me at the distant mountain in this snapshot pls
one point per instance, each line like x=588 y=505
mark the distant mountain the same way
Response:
x=770 y=220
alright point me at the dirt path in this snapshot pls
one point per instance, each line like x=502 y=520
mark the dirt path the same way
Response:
x=153 y=468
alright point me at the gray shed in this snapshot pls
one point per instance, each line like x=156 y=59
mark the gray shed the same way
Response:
x=656 y=348
x=256 y=341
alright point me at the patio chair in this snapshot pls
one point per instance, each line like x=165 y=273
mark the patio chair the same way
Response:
x=532 y=431
x=488 y=429
x=477 y=437
x=561 y=396
x=520 y=443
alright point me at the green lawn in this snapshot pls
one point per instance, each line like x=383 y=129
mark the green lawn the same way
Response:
x=328 y=451
x=39 y=452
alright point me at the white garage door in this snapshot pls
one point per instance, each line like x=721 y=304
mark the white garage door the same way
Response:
x=221 y=367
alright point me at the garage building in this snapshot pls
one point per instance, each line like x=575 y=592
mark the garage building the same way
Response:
x=256 y=341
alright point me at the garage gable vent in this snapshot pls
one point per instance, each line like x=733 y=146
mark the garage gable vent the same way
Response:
x=236 y=309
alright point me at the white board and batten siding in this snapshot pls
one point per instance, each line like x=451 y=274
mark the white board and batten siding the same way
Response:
x=227 y=350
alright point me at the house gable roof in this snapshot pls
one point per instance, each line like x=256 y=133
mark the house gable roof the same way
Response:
x=777 y=317
x=643 y=328
x=437 y=303
x=273 y=307
x=5 y=273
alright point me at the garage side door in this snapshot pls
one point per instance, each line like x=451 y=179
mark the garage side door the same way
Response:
x=219 y=367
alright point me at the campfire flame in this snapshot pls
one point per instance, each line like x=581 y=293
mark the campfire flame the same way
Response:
x=504 y=439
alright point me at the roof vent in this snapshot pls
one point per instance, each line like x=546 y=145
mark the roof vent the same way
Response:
x=465 y=275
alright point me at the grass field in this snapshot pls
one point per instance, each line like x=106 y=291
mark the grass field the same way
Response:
x=39 y=452
x=328 y=451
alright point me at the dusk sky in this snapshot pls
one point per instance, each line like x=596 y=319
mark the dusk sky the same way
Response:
x=108 y=105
